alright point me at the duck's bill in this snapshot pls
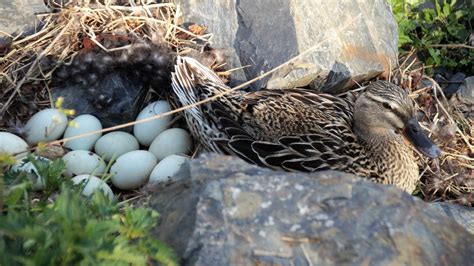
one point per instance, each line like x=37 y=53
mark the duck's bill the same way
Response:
x=415 y=134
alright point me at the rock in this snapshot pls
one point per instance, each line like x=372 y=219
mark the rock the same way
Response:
x=466 y=91
x=352 y=39
x=462 y=214
x=463 y=99
x=233 y=213
x=439 y=75
x=454 y=84
x=19 y=15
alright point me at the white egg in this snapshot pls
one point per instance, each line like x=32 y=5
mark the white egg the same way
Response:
x=32 y=172
x=168 y=168
x=132 y=169
x=92 y=183
x=81 y=125
x=147 y=132
x=46 y=125
x=12 y=144
x=171 y=141
x=114 y=144
x=83 y=162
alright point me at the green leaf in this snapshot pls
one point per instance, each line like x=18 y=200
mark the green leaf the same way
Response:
x=15 y=193
x=74 y=229
x=438 y=7
x=403 y=40
x=459 y=14
x=164 y=254
x=137 y=222
x=446 y=9
x=429 y=15
x=6 y=160
x=435 y=55
x=122 y=255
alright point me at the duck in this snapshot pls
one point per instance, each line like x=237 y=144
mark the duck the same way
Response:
x=370 y=134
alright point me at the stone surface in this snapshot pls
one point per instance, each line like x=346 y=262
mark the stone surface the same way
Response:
x=462 y=214
x=467 y=90
x=18 y=15
x=463 y=99
x=351 y=39
x=454 y=84
x=233 y=213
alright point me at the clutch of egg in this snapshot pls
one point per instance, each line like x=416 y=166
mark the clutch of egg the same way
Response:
x=130 y=164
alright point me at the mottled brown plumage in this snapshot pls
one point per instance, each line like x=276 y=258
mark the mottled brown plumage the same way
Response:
x=299 y=130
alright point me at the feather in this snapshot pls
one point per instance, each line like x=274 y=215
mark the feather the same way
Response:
x=291 y=130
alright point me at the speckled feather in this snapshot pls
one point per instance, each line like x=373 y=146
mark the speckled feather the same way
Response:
x=294 y=130
x=150 y=62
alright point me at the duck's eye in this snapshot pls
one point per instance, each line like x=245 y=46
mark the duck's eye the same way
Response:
x=387 y=106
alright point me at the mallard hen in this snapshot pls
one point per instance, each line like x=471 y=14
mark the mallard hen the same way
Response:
x=300 y=130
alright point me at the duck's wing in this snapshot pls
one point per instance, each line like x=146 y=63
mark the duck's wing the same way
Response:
x=271 y=114
x=309 y=152
x=289 y=129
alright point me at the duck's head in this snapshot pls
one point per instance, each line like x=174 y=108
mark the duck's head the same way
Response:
x=385 y=109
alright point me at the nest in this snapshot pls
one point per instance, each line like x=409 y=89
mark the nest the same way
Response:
x=449 y=178
x=27 y=62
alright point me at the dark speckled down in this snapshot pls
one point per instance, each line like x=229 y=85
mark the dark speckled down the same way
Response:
x=233 y=213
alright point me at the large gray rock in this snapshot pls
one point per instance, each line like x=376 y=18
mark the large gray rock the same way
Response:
x=351 y=39
x=233 y=213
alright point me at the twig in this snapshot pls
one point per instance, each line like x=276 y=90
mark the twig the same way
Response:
x=452 y=45
x=265 y=253
x=308 y=260
x=436 y=88
x=32 y=67
x=6 y=34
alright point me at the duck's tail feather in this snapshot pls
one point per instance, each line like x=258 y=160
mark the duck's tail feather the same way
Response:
x=192 y=83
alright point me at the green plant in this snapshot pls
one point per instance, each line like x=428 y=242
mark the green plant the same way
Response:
x=67 y=228
x=440 y=35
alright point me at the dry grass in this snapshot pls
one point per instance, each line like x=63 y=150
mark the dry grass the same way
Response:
x=451 y=177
